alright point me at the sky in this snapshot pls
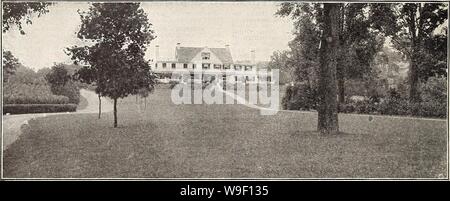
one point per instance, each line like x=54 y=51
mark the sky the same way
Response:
x=245 y=26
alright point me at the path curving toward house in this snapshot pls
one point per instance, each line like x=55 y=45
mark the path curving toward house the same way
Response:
x=12 y=124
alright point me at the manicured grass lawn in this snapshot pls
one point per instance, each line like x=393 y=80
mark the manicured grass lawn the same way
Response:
x=224 y=141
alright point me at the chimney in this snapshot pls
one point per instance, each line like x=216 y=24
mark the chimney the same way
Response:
x=178 y=45
x=253 y=57
x=227 y=47
x=156 y=53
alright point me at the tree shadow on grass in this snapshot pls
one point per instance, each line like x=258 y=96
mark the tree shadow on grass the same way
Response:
x=313 y=133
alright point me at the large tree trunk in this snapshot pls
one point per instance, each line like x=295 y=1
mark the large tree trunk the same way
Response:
x=328 y=114
x=99 y=106
x=341 y=89
x=416 y=39
x=414 y=95
x=115 y=112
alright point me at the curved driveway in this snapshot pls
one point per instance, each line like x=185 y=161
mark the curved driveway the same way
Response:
x=12 y=124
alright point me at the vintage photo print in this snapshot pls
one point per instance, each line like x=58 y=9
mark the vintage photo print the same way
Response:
x=248 y=90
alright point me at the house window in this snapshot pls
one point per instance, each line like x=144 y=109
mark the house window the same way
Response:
x=173 y=65
x=193 y=66
x=164 y=65
x=226 y=66
x=237 y=67
x=206 y=55
x=206 y=66
x=156 y=65
x=247 y=68
x=184 y=65
x=217 y=66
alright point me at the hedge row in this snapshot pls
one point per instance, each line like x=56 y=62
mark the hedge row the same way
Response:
x=18 y=93
x=299 y=97
x=403 y=108
x=38 y=108
x=31 y=99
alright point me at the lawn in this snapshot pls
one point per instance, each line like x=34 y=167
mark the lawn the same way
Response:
x=224 y=141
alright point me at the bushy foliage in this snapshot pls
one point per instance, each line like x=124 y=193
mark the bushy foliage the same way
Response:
x=434 y=90
x=29 y=87
x=18 y=93
x=9 y=64
x=396 y=104
x=300 y=97
x=69 y=90
x=58 y=76
x=61 y=83
x=37 y=108
x=14 y=13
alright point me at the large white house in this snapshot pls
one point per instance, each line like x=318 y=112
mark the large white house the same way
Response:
x=206 y=63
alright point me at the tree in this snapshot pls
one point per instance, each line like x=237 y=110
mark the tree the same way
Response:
x=115 y=62
x=61 y=83
x=413 y=33
x=10 y=63
x=58 y=76
x=279 y=60
x=328 y=106
x=15 y=12
x=325 y=54
x=359 y=42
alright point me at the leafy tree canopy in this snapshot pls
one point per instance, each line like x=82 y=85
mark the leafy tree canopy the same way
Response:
x=10 y=63
x=120 y=33
x=14 y=13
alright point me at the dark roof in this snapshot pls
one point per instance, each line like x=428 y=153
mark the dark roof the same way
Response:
x=186 y=54
x=223 y=54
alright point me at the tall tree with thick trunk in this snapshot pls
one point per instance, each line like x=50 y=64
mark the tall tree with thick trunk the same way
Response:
x=358 y=41
x=120 y=33
x=329 y=52
x=411 y=26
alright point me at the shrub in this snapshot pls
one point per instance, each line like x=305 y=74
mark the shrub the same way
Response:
x=434 y=90
x=299 y=97
x=37 y=108
x=394 y=107
x=393 y=104
x=15 y=93
x=431 y=109
x=70 y=90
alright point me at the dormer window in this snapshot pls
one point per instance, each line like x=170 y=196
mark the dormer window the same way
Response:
x=206 y=55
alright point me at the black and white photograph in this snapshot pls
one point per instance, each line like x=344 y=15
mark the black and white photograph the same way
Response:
x=224 y=90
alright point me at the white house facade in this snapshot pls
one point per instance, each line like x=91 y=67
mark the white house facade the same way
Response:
x=205 y=63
